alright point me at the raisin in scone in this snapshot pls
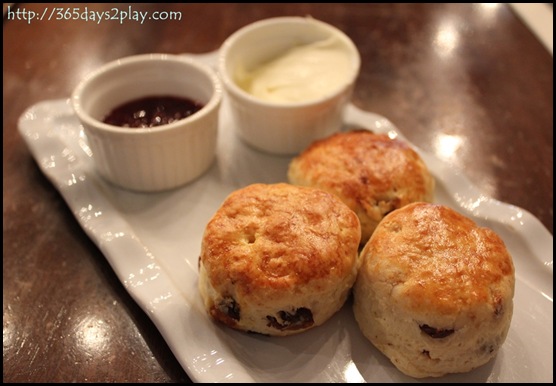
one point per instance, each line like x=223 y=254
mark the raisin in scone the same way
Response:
x=278 y=259
x=435 y=291
x=372 y=173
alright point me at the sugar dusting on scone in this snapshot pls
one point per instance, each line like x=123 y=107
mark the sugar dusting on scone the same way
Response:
x=435 y=291
x=278 y=259
x=372 y=173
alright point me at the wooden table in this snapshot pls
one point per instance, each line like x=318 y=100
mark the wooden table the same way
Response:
x=469 y=72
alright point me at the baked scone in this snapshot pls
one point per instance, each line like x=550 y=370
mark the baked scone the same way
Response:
x=278 y=259
x=372 y=173
x=435 y=291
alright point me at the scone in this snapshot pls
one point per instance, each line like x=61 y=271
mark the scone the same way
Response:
x=278 y=259
x=372 y=173
x=435 y=291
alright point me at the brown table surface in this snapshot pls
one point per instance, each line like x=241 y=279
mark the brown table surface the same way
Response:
x=472 y=71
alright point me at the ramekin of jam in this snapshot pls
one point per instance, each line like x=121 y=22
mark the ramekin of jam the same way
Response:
x=151 y=120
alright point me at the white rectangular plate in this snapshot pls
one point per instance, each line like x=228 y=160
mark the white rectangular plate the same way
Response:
x=152 y=242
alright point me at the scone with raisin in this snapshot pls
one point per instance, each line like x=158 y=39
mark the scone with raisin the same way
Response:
x=435 y=291
x=278 y=259
x=372 y=173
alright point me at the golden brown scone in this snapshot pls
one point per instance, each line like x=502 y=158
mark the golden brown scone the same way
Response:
x=435 y=291
x=278 y=259
x=372 y=173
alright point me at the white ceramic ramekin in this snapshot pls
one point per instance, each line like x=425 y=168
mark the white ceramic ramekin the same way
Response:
x=157 y=158
x=277 y=127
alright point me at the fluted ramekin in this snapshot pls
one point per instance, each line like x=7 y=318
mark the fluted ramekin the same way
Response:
x=155 y=158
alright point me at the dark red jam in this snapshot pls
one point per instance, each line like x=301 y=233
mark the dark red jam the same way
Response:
x=152 y=111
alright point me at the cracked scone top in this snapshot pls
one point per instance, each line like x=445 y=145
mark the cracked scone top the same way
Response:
x=435 y=291
x=278 y=259
x=372 y=173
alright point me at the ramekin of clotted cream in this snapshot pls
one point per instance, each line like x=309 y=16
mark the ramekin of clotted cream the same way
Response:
x=288 y=80
x=303 y=73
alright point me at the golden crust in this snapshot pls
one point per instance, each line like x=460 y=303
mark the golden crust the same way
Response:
x=442 y=259
x=372 y=173
x=435 y=291
x=281 y=246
